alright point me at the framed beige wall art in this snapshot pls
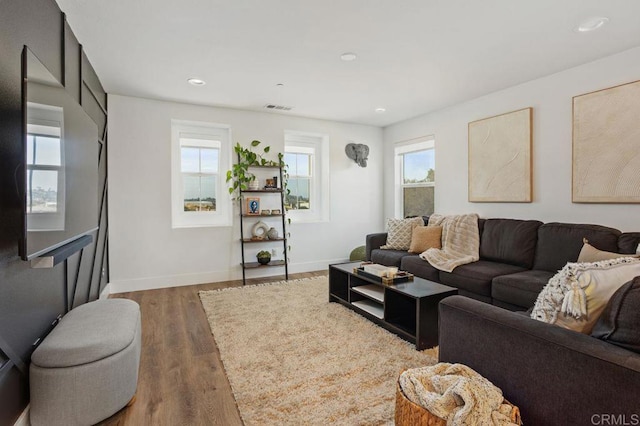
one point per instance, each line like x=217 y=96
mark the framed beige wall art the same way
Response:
x=606 y=145
x=500 y=158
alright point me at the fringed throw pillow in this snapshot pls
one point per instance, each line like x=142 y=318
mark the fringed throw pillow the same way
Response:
x=575 y=297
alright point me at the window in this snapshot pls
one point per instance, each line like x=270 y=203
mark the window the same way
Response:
x=307 y=158
x=199 y=169
x=300 y=162
x=45 y=169
x=415 y=178
x=199 y=152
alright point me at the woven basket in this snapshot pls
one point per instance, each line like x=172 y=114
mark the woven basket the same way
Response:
x=411 y=414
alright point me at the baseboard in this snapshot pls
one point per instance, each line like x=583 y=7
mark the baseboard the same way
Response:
x=295 y=268
x=106 y=291
x=23 y=420
x=151 y=283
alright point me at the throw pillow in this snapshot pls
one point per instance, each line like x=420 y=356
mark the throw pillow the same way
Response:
x=575 y=297
x=620 y=321
x=425 y=237
x=591 y=254
x=399 y=233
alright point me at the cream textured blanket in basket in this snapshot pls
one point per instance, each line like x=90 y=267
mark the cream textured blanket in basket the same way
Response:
x=457 y=394
x=460 y=241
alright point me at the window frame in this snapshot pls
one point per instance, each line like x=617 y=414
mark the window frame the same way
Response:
x=317 y=145
x=399 y=150
x=212 y=135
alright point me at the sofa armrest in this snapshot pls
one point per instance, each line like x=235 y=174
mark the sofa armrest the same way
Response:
x=555 y=376
x=374 y=241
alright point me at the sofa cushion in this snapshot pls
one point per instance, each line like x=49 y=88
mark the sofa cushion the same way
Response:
x=399 y=233
x=628 y=242
x=590 y=254
x=559 y=243
x=510 y=241
x=424 y=238
x=419 y=267
x=476 y=277
x=620 y=321
x=387 y=257
x=520 y=289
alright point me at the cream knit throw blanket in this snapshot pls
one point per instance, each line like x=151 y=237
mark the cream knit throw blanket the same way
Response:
x=460 y=241
x=457 y=394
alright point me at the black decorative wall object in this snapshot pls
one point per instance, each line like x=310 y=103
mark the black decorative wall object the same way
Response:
x=31 y=300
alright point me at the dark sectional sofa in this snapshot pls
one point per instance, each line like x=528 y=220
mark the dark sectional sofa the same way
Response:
x=556 y=376
x=517 y=258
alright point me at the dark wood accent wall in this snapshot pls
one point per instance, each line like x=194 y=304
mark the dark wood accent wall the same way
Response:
x=32 y=299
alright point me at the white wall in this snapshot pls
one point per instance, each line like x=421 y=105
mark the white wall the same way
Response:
x=145 y=252
x=551 y=99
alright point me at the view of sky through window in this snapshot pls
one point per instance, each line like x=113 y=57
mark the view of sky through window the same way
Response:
x=416 y=166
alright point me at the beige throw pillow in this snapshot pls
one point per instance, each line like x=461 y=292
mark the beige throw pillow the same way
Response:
x=399 y=233
x=591 y=254
x=576 y=296
x=425 y=237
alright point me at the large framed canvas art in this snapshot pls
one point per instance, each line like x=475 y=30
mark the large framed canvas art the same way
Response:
x=500 y=158
x=606 y=145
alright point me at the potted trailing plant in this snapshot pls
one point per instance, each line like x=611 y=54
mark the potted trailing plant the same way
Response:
x=263 y=257
x=239 y=175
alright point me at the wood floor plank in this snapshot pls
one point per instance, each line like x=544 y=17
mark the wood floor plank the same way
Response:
x=181 y=379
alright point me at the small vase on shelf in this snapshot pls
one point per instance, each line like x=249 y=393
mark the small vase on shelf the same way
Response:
x=272 y=233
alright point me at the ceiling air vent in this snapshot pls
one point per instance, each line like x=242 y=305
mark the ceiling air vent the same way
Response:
x=278 y=107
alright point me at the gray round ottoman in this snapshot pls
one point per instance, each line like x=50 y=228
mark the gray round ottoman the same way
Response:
x=86 y=369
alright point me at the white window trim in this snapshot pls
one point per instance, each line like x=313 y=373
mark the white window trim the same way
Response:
x=400 y=148
x=319 y=197
x=206 y=132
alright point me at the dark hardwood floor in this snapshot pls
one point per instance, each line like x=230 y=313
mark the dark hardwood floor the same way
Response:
x=181 y=380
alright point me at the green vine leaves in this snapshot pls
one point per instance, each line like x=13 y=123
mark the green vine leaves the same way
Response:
x=239 y=174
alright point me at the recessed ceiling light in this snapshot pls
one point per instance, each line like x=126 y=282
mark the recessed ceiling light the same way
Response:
x=348 y=57
x=591 y=24
x=381 y=110
x=196 y=82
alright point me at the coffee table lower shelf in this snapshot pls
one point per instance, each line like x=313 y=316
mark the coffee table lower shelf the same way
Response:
x=370 y=307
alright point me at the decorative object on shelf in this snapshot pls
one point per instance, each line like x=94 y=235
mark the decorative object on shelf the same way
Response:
x=358 y=152
x=273 y=233
x=271 y=183
x=253 y=206
x=239 y=174
x=254 y=185
x=500 y=158
x=265 y=212
x=263 y=257
x=276 y=211
x=260 y=230
x=606 y=138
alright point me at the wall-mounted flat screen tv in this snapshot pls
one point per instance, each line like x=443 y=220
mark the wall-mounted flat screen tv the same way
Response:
x=61 y=148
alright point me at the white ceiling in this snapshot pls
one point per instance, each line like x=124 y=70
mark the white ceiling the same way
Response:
x=414 y=56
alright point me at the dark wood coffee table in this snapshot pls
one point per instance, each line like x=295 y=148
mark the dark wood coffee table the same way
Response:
x=409 y=310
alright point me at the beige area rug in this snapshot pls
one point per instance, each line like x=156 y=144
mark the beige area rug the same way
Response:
x=293 y=358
